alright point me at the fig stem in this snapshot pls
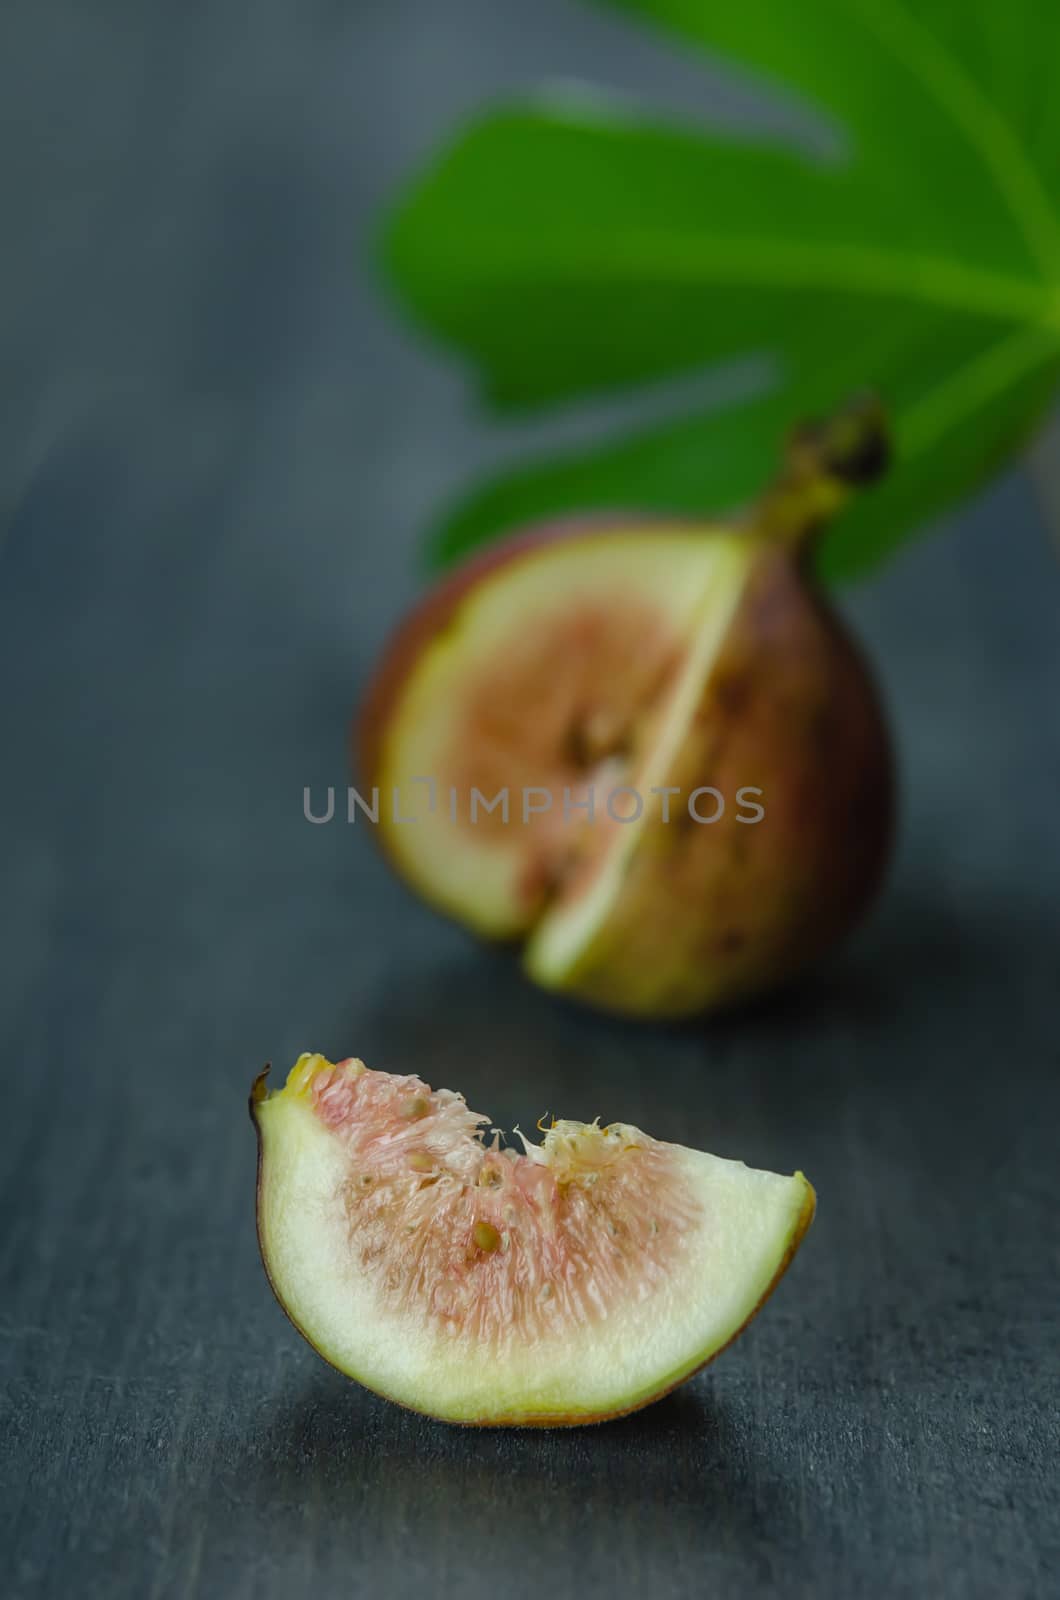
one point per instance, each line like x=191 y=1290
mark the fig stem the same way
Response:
x=825 y=463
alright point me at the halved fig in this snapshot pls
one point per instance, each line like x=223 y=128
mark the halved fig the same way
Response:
x=567 y=1282
x=648 y=750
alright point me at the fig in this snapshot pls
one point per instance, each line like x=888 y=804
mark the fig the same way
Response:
x=567 y=1282
x=649 y=749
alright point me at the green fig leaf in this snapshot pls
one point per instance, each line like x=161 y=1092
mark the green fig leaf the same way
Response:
x=570 y=250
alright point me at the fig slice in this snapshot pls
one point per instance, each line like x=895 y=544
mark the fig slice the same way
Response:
x=567 y=1282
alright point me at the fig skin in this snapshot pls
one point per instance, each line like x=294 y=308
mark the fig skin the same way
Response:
x=706 y=915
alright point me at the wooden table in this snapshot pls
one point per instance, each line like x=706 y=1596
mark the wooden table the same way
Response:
x=217 y=456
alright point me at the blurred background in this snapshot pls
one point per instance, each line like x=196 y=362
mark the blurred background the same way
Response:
x=218 y=452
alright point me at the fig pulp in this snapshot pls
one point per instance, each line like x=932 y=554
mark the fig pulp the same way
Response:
x=567 y=1282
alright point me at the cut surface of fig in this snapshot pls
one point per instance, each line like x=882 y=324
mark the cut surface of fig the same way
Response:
x=566 y=1282
x=554 y=676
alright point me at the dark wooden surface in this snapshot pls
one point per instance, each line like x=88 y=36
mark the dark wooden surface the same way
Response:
x=217 y=453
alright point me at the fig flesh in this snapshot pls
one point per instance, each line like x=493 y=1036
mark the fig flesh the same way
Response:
x=695 y=769
x=569 y=1282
